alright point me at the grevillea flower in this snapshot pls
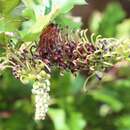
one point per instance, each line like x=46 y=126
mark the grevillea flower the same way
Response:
x=63 y=49
x=71 y=50
x=57 y=49
x=28 y=69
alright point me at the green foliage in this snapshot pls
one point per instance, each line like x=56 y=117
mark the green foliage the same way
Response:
x=64 y=20
x=8 y=5
x=102 y=108
x=106 y=23
x=67 y=5
x=28 y=17
x=109 y=97
x=123 y=29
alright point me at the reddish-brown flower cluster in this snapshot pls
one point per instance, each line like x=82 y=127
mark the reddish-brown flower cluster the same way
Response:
x=56 y=49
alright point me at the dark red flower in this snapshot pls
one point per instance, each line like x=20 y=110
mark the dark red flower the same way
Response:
x=56 y=49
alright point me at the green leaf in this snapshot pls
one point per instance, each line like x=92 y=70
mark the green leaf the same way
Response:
x=29 y=36
x=8 y=5
x=123 y=29
x=8 y=24
x=42 y=21
x=29 y=3
x=40 y=8
x=25 y=34
x=107 y=97
x=68 y=21
x=40 y=13
x=76 y=121
x=123 y=122
x=28 y=13
x=78 y=84
x=111 y=19
x=66 y=5
x=58 y=118
x=95 y=20
x=47 y=11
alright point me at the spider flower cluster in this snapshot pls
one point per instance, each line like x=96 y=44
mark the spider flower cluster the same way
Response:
x=72 y=50
x=28 y=69
x=64 y=49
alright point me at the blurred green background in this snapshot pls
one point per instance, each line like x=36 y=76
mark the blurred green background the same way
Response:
x=104 y=106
